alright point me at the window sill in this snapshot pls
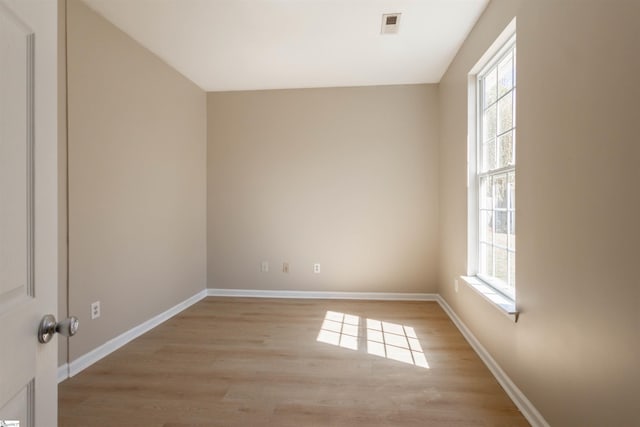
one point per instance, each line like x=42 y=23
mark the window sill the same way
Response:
x=505 y=305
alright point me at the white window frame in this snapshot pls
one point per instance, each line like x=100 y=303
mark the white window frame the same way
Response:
x=495 y=291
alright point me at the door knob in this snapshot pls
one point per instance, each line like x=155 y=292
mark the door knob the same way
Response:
x=48 y=327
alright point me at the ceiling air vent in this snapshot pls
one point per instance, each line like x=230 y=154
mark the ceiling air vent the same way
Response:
x=390 y=23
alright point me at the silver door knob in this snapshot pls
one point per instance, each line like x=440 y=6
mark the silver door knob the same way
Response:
x=48 y=327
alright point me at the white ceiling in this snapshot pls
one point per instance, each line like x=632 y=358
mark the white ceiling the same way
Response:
x=224 y=45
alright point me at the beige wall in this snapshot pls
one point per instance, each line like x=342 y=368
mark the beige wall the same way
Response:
x=344 y=177
x=575 y=350
x=137 y=174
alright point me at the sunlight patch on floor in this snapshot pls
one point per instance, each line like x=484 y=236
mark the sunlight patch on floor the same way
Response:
x=395 y=342
x=384 y=339
x=340 y=329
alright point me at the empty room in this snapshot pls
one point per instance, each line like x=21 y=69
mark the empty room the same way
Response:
x=305 y=213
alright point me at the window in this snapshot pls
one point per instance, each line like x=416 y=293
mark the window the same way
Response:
x=492 y=167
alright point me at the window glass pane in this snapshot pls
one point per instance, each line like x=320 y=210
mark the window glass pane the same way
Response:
x=513 y=96
x=489 y=123
x=512 y=231
x=501 y=264
x=514 y=66
x=512 y=269
x=505 y=149
x=486 y=193
x=505 y=75
x=500 y=230
x=511 y=191
x=486 y=259
x=505 y=113
x=488 y=156
x=496 y=150
x=500 y=191
x=490 y=84
x=486 y=226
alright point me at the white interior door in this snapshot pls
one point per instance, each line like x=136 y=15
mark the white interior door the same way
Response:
x=28 y=210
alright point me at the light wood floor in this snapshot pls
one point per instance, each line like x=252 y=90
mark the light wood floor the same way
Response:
x=257 y=362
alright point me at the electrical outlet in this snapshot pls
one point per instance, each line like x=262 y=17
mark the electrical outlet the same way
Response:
x=264 y=268
x=285 y=267
x=95 y=310
x=316 y=268
x=455 y=284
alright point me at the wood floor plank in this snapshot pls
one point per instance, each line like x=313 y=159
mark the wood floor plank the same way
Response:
x=272 y=362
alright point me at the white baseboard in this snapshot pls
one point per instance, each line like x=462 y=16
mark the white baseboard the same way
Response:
x=388 y=296
x=112 y=345
x=519 y=399
x=63 y=372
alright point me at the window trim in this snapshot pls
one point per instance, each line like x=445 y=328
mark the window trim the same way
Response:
x=481 y=283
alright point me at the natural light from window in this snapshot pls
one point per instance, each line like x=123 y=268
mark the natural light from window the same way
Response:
x=340 y=329
x=383 y=339
x=395 y=342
